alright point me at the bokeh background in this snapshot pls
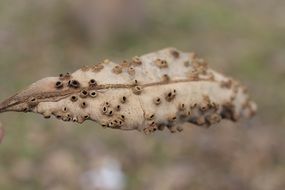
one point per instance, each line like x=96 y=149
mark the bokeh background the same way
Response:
x=244 y=39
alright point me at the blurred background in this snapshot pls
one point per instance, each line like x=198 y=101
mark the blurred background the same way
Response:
x=244 y=39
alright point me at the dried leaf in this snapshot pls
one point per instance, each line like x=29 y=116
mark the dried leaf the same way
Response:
x=162 y=90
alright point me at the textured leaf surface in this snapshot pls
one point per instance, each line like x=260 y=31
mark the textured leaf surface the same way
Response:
x=162 y=89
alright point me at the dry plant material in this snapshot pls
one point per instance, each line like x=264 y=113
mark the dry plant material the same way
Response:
x=2 y=133
x=163 y=89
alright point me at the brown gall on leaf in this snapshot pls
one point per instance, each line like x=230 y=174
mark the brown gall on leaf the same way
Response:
x=136 y=61
x=174 y=88
x=93 y=93
x=161 y=63
x=175 y=53
x=131 y=71
x=165 y=78
x=97 y=68
x=137 y=90
x=117 y=69
x=157 y=100
x=92 y=83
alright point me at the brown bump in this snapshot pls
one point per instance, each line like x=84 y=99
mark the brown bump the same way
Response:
x=200 y=120
x=117 y=69
x=172 y=128
x=73 y=98
x=118 y=108
x=131 y=71
x=213 y=118
x=193 y=105
x=115 y=123
x=64 y=109
x=111 y=124
x=64 y=77
x=175 y=53
x=165 y=78
x=106 y=61
x=226 y=84
x=47 y=116
x=136 y=61
x=73 y=84
x=125 y=63
x=149 y=116
x=146 y=131
x=193 y=75
x=120 y=123
x=83 y=105
x=228 y=112
x=110 y=112
x=85 y=68
x=104 y=124
x=137 y=90
x=59 y=85
x=97 y=67
x=157 y=100
x=61 y=76
x=161 y=63
x=107 y=104
x=204 y=107
x=179 y=129
x=161 y=127
x=122 y=117
x=67 y=76
x=172 y=118
x=214 y=106
x=200 y=66
x=32 y=102
x=136 y=82
x=92 y=83
x=170 y=95
x=26 y=109
x=123 y=99
x=151 y=128
x=206 y=98
x=83 y=93
x=104 y=109
x=183 y=112
x=93 y=93
x=181 y=106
